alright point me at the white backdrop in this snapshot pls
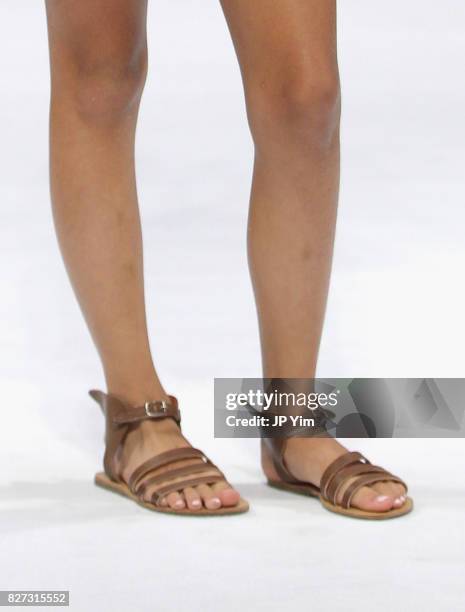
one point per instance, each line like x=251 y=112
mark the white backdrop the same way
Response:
x=395 y=309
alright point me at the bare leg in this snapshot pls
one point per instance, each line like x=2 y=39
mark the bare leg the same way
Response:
x=287 y=53
x=98 y=54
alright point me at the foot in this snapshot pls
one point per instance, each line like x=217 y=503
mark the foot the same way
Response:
x=151 y=438
x=307 y=459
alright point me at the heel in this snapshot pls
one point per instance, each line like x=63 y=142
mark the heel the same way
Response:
x=99 y=397
x=268 y=465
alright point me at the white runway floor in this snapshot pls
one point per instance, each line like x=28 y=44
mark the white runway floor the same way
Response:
x=396 y=309
x=61 y=532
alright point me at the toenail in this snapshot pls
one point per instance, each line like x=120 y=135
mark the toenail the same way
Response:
x=179 y=504
x=196 y=503
x=215 y=500
x=381 y=498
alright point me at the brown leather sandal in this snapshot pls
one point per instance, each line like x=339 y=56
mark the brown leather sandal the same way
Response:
x=350 y=466
x=120 y=417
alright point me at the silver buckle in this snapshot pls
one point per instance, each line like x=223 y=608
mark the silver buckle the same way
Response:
x=163 y=407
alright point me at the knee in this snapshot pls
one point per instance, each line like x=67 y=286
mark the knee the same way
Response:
x=106 y=87
x=303 y=111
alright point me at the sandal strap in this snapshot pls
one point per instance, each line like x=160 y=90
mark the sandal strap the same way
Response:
x=274 y=439
x=122 y=413
x=368 y=479
x=183 y=484
x=166 y=477
x=170 y=456
x=337 y=465
x=120 y=416
x=345 y=474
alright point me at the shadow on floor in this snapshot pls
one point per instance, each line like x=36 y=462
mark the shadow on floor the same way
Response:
x=33 y=505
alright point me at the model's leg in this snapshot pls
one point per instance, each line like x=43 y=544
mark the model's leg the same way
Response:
x=98 y=56
x=287 y=53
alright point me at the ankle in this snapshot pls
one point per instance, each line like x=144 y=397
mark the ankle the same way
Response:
x=137 y=393
x=163 y=427
x=135 y=382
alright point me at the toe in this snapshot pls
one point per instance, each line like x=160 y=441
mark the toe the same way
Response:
x=193 y=500
x=398 y=489
x=228 y=496
x=383 y=488
x=370 y=499
x=176 y=501
x=400 y=495
x=211 y=500
x=393 y=490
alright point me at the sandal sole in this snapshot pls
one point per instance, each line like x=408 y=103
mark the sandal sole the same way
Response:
x=102 y=480
x=312 y=491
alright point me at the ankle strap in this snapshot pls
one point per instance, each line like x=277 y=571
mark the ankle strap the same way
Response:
x=119 y=412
